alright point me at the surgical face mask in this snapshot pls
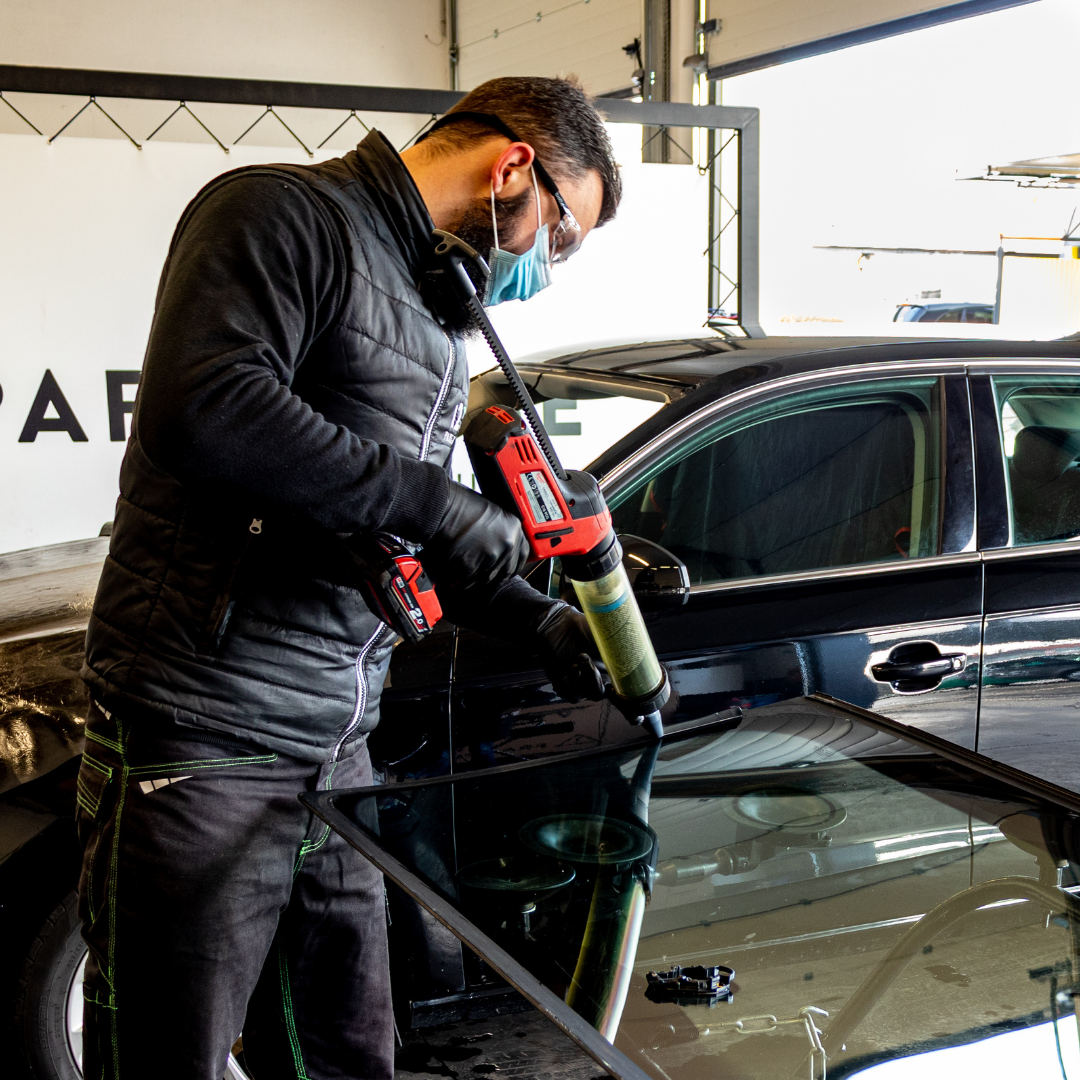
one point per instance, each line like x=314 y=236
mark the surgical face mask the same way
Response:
x=518 y=277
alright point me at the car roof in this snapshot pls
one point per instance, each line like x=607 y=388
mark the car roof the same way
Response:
x=691 y=362
x=948 y=304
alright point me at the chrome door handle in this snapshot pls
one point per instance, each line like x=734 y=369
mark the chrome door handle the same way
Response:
x=917 y=666
x=948 y=664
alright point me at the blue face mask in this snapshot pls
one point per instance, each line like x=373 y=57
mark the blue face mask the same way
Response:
x=518 y=277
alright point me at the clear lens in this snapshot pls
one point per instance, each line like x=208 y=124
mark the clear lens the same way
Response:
x=566 y=238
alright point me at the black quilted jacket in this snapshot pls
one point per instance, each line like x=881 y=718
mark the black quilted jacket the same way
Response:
x=297 y=386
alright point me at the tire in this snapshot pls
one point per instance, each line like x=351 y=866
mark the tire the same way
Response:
x=48 y=1003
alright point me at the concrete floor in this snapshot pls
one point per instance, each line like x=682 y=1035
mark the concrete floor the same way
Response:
x=525 y=1046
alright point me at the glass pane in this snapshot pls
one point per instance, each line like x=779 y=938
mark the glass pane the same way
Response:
x=1040 y=432
x=749 y=902
x=829 y=477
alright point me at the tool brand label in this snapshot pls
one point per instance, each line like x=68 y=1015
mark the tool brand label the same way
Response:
x=542 y=501
x=408 y=601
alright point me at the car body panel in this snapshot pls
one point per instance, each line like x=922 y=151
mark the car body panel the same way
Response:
x=1029 y=713
x=45 y=599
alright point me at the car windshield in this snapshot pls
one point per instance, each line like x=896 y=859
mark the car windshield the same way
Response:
x=908 y=313
x=768 y=896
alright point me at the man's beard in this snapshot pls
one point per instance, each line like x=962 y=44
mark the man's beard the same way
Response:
x=474 y=227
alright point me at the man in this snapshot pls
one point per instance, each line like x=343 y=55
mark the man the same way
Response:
x=303 y=384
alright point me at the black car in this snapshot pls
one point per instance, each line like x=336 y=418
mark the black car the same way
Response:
x=896 y=525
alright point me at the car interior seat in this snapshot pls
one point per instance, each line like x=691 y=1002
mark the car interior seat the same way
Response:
x=1044 y=479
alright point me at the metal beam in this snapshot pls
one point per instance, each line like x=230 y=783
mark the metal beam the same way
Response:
x=936 y=251
x=749 y=239
x=153 y=87
x=78 y=82
x=674 y=114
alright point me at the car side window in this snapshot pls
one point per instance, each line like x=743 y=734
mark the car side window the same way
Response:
x=830 y=477
x=1040 y=434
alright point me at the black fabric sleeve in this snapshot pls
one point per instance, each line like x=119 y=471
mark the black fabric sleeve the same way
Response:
x=255 y=276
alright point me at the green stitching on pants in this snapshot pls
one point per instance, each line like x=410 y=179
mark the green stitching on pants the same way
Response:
x=290 y=1019
x=205 y=763
x=307 y=847
x=105 y=742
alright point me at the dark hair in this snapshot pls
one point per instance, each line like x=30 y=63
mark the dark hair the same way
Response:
x=554 y=116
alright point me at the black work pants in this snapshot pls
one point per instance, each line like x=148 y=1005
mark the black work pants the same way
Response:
x=214 y=904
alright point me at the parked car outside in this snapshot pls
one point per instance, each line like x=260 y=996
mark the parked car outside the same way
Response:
x=948 y=313
x=896 y=525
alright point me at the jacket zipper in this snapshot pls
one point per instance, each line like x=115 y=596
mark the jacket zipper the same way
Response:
x=425 y=448
x=361 y=694
x=440 y=401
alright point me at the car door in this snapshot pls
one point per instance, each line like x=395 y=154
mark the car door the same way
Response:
x=828 y=529
x=1027 y=420
x=869 y=479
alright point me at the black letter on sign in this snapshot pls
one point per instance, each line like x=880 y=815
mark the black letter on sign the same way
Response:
x=115 y=381
x=49 y=393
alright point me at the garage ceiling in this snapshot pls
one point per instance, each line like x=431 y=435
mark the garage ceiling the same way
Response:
x=760 y=33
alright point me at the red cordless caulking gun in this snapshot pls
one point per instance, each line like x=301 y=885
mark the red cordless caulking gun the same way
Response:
x=562 y=513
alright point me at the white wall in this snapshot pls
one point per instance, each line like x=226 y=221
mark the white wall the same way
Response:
x=334 y=41
x=504 y=37
x=1044 y=292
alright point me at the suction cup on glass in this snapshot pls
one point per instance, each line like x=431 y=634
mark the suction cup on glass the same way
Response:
x=787 y=809
x=514 y=874
x=587 y=838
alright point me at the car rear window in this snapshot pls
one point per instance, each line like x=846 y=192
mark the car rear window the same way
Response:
x=831 y=477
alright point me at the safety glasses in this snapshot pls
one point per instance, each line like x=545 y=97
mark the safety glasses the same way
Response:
x=566 y=237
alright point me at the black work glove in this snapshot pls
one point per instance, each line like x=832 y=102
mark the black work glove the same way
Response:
x=568 y=651
x=476 y=543
x=514 y=611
